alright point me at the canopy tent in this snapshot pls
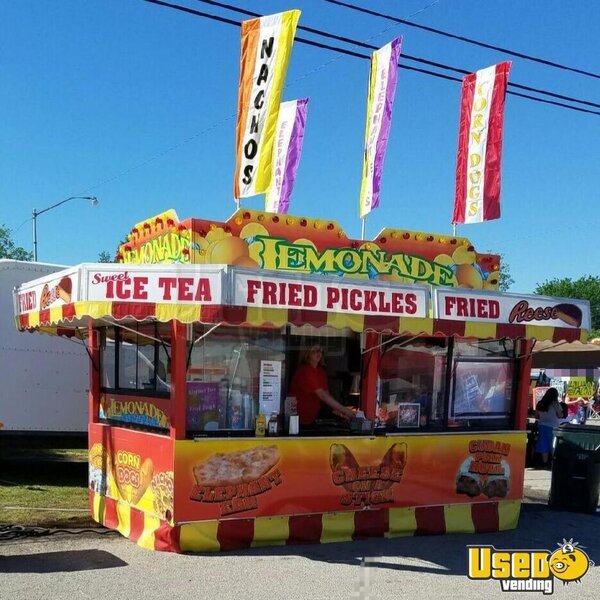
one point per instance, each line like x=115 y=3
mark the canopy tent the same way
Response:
x=564 y=355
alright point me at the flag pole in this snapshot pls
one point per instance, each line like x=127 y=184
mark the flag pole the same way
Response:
x=453 y=229
x=362 y=232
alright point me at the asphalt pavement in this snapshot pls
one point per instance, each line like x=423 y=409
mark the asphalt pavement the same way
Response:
x=108 y=566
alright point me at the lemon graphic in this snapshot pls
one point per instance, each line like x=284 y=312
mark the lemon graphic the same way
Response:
x=216 y=234
x=463 y=256
x=443 y=259
x=254 y=251
x=304 y=242
x=252 y=230
x=369 y=246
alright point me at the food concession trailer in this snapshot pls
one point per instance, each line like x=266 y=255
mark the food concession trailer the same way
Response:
x=198 y=329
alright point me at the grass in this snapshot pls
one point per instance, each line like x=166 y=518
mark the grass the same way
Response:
x=45 y=479
x=47 y=455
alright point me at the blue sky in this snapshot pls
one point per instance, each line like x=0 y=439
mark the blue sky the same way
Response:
x=135 y=103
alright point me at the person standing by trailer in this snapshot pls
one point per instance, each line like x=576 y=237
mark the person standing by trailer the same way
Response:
x=549 y=415
x=577 y=409
x=309 y=386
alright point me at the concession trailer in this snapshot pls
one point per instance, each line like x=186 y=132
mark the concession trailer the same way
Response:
x=195 y=333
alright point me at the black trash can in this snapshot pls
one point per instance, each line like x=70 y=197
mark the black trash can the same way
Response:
x=576 y=468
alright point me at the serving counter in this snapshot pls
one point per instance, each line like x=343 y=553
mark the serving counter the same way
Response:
x=304 y=489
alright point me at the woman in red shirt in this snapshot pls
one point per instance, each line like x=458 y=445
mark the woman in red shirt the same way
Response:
x=309 y=386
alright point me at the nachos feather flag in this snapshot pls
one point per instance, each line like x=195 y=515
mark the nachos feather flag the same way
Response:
x=477 y=196
x=266 y=48
x=380 y=101
x=286 y=154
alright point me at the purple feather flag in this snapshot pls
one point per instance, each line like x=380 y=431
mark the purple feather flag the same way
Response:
x=286 y=154
x=380 y=102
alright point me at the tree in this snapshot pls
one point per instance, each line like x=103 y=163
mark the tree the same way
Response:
x=584 y=288
x=8 y=248
x=105 y=257
x=505 y=278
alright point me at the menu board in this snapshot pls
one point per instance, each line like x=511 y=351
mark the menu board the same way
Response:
x=269 y=395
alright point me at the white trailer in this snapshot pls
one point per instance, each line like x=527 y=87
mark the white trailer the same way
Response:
x=43 y=379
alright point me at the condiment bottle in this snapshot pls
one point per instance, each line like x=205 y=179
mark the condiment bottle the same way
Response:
x=248 y=407
x=237 y=416
x=223 y=416
x=273 y=424
x=260 y=426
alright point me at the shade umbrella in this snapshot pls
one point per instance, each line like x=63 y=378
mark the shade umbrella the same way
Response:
x=563 y=355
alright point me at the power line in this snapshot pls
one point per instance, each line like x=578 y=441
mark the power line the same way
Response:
x=542 y=61
x=417 y=59
x=232 y=116
x=366 y=57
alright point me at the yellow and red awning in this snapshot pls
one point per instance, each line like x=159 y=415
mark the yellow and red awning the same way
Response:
x=66 y=301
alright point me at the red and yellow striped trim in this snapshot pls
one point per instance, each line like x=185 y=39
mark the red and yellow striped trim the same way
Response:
x=57 y=320
x=321 y=528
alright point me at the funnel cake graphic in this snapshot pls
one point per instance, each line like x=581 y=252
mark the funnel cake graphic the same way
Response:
x=569 y=313
x=65 y=287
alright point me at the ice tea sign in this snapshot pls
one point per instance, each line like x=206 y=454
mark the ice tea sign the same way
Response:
x=186 y=285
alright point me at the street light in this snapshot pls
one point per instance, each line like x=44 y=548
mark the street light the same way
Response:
x=36 y=213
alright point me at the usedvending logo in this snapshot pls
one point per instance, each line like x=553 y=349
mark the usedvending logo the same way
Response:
x=529 y=570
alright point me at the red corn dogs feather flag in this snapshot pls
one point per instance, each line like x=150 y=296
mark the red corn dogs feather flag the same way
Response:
x=477 y=197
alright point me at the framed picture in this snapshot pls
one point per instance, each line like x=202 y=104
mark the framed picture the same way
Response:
x=409 y=414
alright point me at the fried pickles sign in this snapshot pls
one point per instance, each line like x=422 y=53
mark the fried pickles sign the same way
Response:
x=279 y=292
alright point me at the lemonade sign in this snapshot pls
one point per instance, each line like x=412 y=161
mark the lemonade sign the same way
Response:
x=259 y=240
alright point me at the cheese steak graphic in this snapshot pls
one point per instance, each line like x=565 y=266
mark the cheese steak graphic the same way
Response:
x=234 y=480
x=367 y=485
